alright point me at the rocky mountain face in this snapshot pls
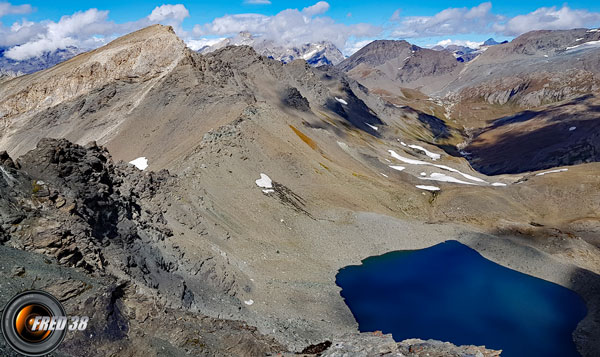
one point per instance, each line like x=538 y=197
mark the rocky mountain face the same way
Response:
x=279 y=174
x=535 y=69
x=35 y=64
x=390 y=65
x=560 y=135
x=528 y=72
x=531 y=74
x=316 y=54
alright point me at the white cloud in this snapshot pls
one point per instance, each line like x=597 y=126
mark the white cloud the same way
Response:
x=450 y=21
x=548 y=18
x=7 y=8
x=352 y=47
x=396 y=15
x=258 y=2
x=87 y=30
x=199 y=44
x=466 y=43
x=317 y=9
x=169 y=12
x=480 y=19
x=68 y=31
x=290 y=26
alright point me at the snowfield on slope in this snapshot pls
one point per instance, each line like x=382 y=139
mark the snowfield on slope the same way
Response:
x=341 y=101
x=141 y=163
x=443 y=167
x=432 y=155
x=445 y=178
x=428 y=188
x=551 y=172
x=266 y=183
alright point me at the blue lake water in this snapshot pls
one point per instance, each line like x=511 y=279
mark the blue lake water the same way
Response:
x=449 y=292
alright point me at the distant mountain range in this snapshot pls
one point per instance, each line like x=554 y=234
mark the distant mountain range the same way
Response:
x=31 y=65
x=316 y=54
x=464 y=53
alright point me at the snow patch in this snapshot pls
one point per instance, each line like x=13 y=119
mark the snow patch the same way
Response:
x=267 y=191
x=443 y=167
x=589 y=44
x=498 y=184
x=436 y=176
x=384 y=175
x=428 y=188
x=399 y=168
x=372 y=127
x=578 y=39
x=406 y=160
x=249 y=302
x=264 y=181
x=310 y=54
x=551 y=172
x=572 y=128
x=341 y=101
x=141 y=163
x=432 y=155
x=593 y=30
x=423 y=174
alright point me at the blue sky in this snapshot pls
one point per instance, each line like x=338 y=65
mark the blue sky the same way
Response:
x=29 y=27
x=362 y=11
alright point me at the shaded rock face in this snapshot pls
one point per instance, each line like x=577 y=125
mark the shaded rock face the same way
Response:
x=563 y=135
x=105 y=196
x=292 y=98
x=354 y=110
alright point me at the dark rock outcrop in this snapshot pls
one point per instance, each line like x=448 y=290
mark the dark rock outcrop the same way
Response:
x=294 y=99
